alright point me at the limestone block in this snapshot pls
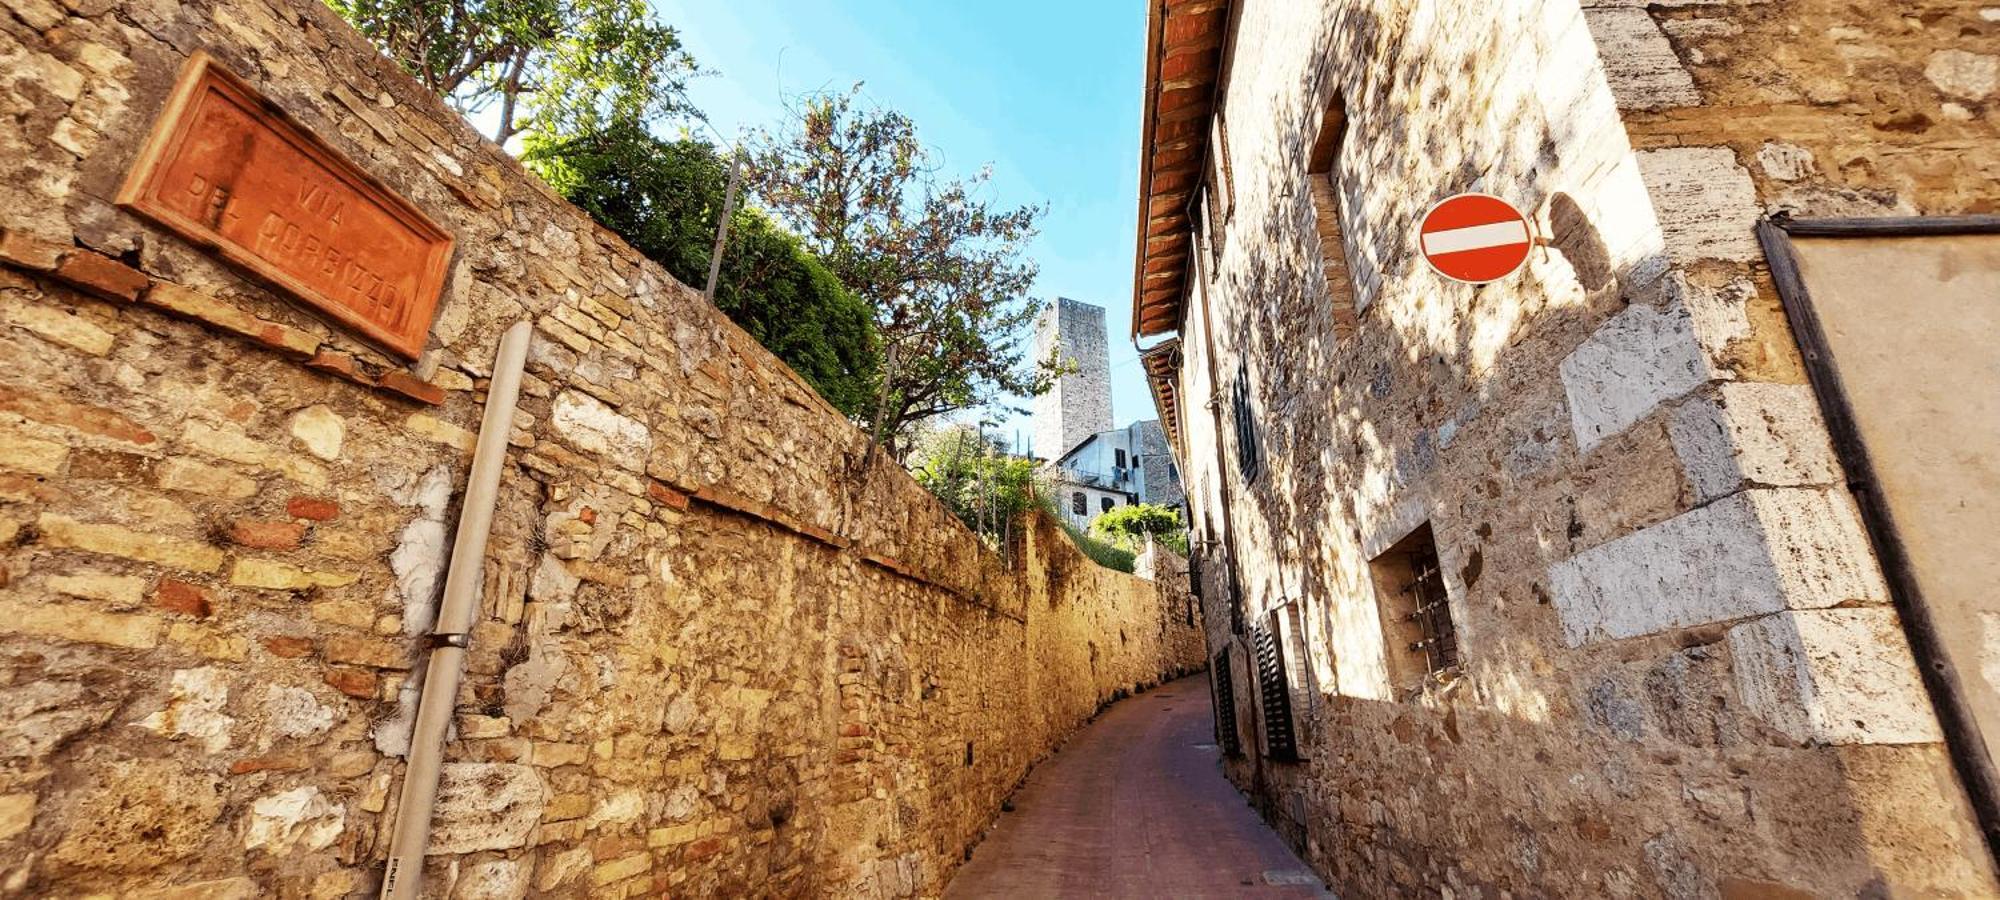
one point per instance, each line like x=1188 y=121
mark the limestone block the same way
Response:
x=179 y=474
x=624 y=806
x=1761 y=434
x=1786 y=162
x=320 y=430
x=139 y=815
x=278 y=576
x=1636 y=360
x=1706 y=203
x=301 y=819
x=60 y=326
x=493 y=879
x=432 y=428
x=119 y=590
x=1638 y=60
x=486 y=806
x=290 y=712
x=112 y=540
x=562 y=867
x=194 y=709
x=1720 y=315
x=25 y=454
x=17 y=812
x=217 y=889
x=1837 y=676
x=234 y=445
x=1972 y=76
x=77 y=622
x=588 y=424
x=1755 y=552
x=622 y=868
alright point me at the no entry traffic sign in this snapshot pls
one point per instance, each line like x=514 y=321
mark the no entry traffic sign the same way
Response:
x=1475 y=238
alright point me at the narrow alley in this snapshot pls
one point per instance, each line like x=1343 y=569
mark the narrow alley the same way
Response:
x=1135 y=806
x=1373 y=449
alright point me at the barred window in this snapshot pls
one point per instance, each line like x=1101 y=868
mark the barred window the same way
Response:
x=1416 y=610
x=1249 y=455
x=1078 y=504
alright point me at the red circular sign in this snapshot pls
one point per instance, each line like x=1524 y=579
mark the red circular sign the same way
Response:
x=1475 y=238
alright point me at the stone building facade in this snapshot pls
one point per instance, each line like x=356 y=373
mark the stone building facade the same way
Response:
x=723 y=648
x=1092 y=466
x=1116 y=468
x=1553 y=586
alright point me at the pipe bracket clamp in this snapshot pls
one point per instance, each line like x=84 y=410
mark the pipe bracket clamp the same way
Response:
x=461 y=641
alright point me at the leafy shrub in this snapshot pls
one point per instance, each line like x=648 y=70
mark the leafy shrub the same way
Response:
x=1127 y=526
x=664 y=197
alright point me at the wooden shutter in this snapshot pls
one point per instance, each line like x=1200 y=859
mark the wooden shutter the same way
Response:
x=1275 y=695
x=1225 y=704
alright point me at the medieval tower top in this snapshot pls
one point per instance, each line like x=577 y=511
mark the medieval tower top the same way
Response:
x=1080 y=403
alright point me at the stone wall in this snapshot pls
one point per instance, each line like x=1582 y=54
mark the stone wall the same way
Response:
x=722 y=648
x=1680 y=672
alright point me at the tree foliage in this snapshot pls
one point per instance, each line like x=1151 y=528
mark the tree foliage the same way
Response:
x=942 y=268
x=559 y=67
x=1129 y=525
x=972 y=475
x=664 y=197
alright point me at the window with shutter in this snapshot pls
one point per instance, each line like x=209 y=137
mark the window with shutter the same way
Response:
x=1225 y=704
x=1274 y=695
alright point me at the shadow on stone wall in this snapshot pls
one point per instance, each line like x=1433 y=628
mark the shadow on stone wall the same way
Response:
x=1623 y=768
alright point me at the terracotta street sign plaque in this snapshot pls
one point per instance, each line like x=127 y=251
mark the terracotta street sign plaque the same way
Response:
x=226 y=169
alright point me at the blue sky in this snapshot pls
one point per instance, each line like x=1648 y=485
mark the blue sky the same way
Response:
x=1046 y=92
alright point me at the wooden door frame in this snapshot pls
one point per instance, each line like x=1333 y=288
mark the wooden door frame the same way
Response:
x=1963 y=738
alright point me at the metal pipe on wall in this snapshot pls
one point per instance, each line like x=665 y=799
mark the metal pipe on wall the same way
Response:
x=449 y=637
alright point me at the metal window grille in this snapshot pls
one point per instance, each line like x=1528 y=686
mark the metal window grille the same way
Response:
x=1280 y=742
x=1249 y=456
x=1432 y=611
x=1078 y=505
x=1225 y=705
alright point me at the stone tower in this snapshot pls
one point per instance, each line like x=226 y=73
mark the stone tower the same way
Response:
x=1080 y=404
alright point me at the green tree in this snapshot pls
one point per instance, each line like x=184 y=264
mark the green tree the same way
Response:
x=1129 y=525
x=942 y=269
x=556 y=67
x=972 y=475
x=664 y=198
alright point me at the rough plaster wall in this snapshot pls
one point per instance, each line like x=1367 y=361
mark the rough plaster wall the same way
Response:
x=1611 y=734
x=721 y=649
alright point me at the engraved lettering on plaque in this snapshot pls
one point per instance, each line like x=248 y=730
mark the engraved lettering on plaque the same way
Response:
x=227 y=170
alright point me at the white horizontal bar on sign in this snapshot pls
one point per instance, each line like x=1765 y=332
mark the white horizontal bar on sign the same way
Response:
x=1477 y=237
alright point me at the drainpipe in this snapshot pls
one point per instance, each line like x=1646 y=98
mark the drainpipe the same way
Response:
x=449 y=637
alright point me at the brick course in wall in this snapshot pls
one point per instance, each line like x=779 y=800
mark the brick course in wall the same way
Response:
x=722 y=648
